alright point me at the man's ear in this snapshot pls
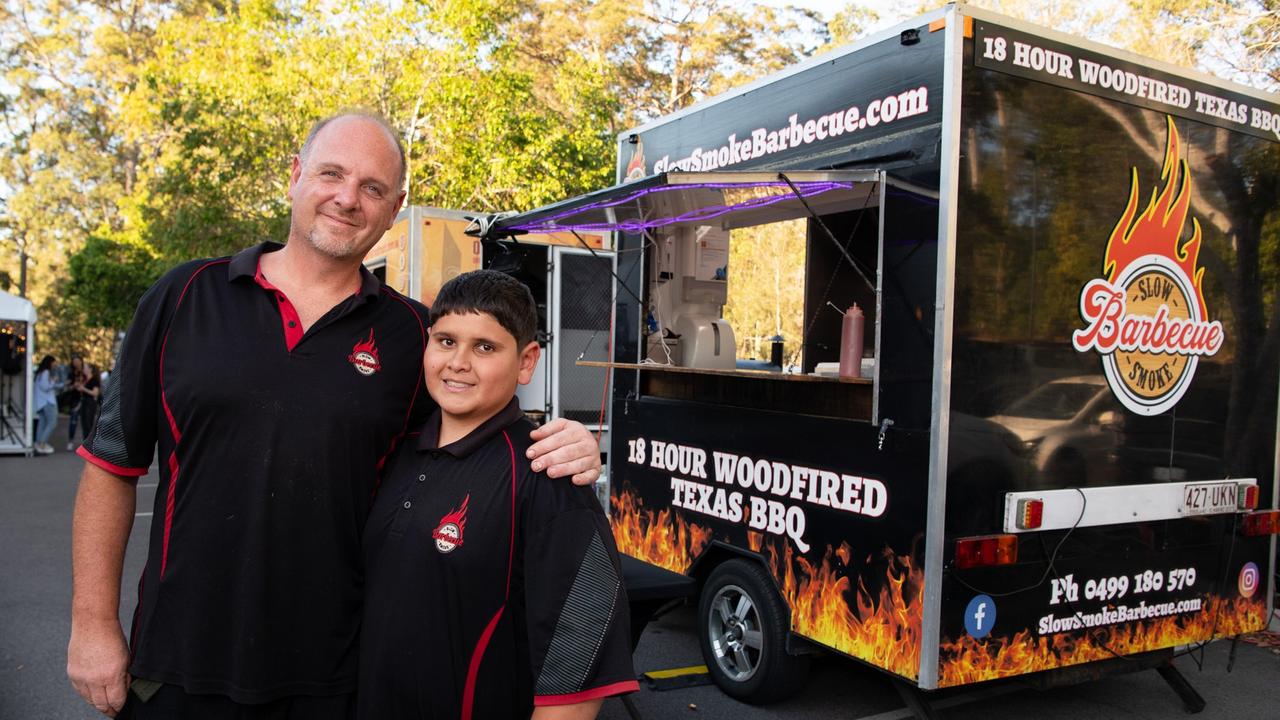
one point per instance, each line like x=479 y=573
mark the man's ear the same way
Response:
x=528 y=362
x=295 y=173
x=394 y=213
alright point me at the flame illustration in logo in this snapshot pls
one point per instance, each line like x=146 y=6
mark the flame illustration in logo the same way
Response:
x=448 y=534
x=968 y=660
x=1147 y=316
x=1156 y=231
x=635 y=168
x=364 y=356
x=876 y=620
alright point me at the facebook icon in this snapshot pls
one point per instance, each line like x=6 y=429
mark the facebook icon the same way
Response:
x=980 y=616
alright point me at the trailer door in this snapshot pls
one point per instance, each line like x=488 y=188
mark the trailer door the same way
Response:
x=581 y=302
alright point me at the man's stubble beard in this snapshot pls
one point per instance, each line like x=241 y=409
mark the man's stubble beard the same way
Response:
x=327 y=246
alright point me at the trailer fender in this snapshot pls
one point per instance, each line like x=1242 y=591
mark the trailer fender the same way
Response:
x=717 y=553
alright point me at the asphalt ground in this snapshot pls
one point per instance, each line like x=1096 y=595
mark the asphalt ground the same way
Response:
x=35 y=600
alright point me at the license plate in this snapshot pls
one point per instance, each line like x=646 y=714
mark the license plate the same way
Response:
x=1209 y=499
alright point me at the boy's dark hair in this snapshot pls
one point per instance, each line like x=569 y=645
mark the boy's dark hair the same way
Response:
x=494 y=293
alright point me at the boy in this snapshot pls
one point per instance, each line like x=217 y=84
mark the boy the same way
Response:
x=490 y=591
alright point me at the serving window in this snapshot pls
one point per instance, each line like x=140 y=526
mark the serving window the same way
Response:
x=732 y=260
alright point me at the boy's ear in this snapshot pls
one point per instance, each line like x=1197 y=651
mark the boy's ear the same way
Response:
x=528 y=361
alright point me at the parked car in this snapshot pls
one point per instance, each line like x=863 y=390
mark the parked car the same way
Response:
x=1070 y=428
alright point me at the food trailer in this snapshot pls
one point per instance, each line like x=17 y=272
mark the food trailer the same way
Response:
x=1056 y=456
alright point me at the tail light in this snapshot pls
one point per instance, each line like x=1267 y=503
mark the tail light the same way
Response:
x=986 y=550
x=1266 y=522
x=1030 y=513
x=1247 y=499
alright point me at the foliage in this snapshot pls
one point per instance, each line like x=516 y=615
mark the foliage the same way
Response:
x=850 y=23
x=766 y=289
x=106 y=279
x=663 y=55
x=67 y=156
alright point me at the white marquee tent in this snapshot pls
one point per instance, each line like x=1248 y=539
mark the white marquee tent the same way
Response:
x=17 y=323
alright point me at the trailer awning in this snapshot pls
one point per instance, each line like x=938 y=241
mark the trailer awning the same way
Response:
x=726 y=199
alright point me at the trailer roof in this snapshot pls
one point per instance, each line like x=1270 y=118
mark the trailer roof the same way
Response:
x=685 y=199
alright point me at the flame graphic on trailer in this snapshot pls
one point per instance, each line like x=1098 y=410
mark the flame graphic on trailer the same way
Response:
x=970 y=660
x=851 y=606
x=1157 y=230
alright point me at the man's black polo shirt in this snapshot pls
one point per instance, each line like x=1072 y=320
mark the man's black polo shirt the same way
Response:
x=488 y=587
x=269 y=445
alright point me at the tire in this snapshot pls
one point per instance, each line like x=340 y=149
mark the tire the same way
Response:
x=742 y=629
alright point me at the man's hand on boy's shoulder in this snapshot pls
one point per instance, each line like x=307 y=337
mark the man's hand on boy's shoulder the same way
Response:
x=565 y=448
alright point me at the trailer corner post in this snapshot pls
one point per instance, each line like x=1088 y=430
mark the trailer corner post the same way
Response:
x=414 y=265
x=883 y=181
x=1275 y=505
x=948 y=184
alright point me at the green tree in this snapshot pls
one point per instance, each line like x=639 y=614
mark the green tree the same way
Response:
x=658 y=56
x=66 y=156
x=106 y=279
x=766 y=289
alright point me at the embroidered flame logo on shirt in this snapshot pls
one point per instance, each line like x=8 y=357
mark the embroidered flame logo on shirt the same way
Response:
x=1147 y=318
x=364 y=356
x=448 y=534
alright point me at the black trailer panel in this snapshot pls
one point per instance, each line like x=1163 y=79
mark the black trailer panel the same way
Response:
x=1136 y=189
x=878 y=107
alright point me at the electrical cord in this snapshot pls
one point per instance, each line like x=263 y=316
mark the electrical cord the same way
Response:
x=1196 y=650
x=1091 y=632
x=1200 y=646
x=1084 y=501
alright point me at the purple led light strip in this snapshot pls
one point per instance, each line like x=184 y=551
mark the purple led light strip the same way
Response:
x=807 y=189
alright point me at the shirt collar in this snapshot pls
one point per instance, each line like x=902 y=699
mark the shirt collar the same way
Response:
x=429 y=439
x=245 y=264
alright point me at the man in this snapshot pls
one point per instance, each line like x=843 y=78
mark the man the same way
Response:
x=274 y=384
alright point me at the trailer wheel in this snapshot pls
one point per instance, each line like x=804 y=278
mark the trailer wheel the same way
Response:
x=742 y=626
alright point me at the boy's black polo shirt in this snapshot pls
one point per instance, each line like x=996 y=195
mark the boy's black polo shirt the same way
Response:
x=488 y=587
x=269 y=444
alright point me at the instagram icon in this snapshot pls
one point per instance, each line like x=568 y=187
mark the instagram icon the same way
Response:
x=1248 y=580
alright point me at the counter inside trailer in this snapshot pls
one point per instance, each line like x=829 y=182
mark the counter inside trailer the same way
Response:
x=760 y=389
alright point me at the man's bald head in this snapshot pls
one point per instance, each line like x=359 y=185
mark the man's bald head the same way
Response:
x=372 y=117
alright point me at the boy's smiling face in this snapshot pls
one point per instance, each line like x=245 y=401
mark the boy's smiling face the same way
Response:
x=472 y=365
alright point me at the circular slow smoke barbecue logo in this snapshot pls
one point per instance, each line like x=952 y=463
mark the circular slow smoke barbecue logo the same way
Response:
x=448 y=534
x=1147 y=317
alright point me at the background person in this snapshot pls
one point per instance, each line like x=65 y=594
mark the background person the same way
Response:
x=89 y=388
x=82 y=388
x=45 y=401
